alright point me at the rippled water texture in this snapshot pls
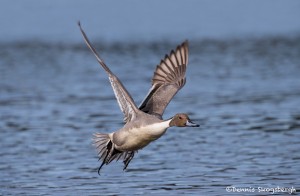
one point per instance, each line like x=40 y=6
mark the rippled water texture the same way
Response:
x=245 y=94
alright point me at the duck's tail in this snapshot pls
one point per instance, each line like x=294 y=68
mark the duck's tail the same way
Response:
x=101 y=142
x=107 y=151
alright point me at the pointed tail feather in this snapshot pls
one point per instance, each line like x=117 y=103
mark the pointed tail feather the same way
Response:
x=107 y=152
x=101 y=141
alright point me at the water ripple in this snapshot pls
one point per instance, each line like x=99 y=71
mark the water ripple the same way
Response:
x=243 y=93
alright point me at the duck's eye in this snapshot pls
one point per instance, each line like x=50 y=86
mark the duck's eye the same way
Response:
x=180 y=117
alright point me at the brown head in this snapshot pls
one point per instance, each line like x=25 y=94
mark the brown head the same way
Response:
x=182 y=120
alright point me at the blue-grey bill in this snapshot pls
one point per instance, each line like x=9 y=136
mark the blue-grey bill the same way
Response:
x=191 y=124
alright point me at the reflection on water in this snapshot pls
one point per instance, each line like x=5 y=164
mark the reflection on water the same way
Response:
x=244 y=93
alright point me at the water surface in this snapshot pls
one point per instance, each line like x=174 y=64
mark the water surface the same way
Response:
x=244 y=93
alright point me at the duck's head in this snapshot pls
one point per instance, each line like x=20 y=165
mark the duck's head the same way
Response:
x=182 y=120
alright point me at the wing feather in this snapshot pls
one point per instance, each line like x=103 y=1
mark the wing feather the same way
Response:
x=124 y=99
x=168 y=79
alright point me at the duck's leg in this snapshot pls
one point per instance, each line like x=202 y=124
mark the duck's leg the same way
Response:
x=128 y=158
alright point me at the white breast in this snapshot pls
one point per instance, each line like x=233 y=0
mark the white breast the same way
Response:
x=138 y=138
x=156 y=129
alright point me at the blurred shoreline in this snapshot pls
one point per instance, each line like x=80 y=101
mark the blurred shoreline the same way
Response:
x=291 y=40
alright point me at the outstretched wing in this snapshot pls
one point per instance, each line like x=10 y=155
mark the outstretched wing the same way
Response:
x=168 y=79
x=124 y=99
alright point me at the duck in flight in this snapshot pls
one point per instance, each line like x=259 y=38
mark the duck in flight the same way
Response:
x=143 y=124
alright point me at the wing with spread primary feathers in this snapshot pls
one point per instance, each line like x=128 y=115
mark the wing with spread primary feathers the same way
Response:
x=168 y=79
x=124 y=99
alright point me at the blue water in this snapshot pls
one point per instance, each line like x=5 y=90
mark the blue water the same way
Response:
x=244 y=93
x=243 y=88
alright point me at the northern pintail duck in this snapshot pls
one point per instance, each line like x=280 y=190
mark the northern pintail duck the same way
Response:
x=143 y=124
